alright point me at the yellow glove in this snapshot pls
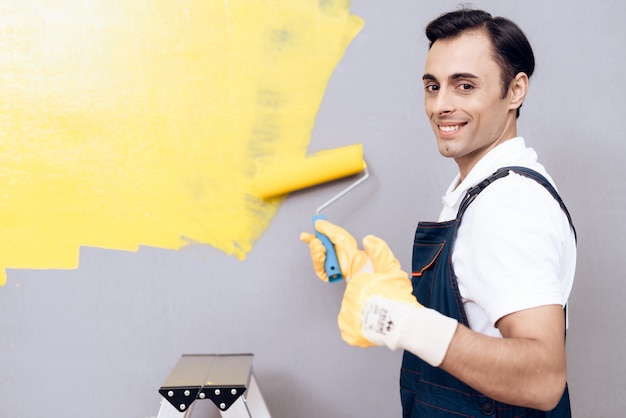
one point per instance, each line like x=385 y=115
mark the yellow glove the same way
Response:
x=379 y=309
x=351 y=258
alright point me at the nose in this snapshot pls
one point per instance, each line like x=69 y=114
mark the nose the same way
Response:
x=442 y=103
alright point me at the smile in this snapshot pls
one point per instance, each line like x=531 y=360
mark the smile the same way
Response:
x=451 y=128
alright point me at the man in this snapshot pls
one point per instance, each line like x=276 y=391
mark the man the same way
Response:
x=483 y=323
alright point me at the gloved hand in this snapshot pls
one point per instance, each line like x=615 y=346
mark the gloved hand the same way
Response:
x=351 y=258
x=379 y=309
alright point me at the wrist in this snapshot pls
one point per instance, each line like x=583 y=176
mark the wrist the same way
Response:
x=428 y=334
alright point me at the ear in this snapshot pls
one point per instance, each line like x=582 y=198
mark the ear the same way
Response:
x=518 y=90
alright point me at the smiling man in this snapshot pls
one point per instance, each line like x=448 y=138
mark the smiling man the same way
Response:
x=482 y=320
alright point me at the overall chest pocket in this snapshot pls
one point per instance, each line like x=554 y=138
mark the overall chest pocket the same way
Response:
x=427 y=257
x=425 y=254
x=428 y=244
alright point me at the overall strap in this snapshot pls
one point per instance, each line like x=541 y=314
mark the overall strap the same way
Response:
x=503 y=172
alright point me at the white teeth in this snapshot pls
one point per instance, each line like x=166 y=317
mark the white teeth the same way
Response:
x=449 y=128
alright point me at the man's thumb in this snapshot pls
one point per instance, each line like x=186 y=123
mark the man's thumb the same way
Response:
x=380 y=255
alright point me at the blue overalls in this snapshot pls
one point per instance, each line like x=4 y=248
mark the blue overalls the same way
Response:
x=429 y=392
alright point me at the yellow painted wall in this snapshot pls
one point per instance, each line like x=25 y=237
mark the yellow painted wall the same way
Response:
x=132 y=122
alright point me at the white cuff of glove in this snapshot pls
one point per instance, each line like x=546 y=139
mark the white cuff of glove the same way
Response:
x=419 y=330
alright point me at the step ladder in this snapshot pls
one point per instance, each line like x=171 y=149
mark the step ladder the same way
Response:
x=225 y=379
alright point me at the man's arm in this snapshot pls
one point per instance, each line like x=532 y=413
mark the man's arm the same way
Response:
x=527 y=367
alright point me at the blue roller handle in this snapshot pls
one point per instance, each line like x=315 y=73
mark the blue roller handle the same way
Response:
x=331 y=264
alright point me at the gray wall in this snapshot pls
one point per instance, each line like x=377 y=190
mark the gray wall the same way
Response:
x=98 y=341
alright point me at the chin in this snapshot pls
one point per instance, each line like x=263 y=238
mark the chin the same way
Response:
x=445 y=150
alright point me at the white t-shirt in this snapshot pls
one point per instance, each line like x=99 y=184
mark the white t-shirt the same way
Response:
x=514 y=249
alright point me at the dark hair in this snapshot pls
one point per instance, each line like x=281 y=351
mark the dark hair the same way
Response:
x=512 y=51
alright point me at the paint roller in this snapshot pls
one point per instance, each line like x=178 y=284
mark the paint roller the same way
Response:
x=316 y=169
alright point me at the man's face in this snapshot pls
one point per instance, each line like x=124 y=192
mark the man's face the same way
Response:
x=463 y=99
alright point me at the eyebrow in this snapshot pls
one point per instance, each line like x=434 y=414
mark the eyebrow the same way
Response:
x=455 y=76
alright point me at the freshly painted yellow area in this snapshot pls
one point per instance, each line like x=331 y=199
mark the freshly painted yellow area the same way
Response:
x=131 y=122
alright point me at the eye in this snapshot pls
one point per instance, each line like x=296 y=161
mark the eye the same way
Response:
x=465 y=87
x=431 y=88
